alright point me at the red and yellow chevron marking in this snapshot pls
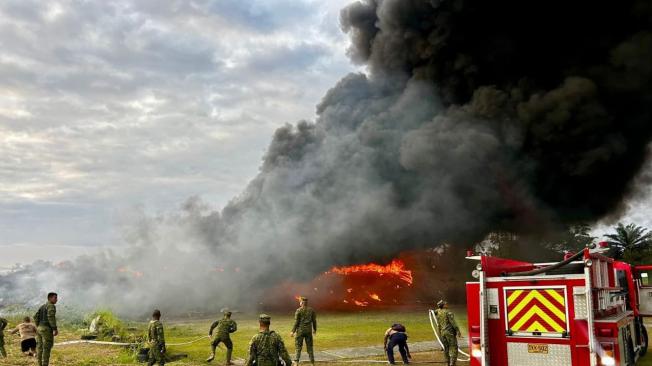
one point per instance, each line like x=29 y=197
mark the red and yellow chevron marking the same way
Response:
x=536 y=310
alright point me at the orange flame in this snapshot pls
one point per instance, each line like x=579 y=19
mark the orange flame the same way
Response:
x=361 y=303
x=374 y=297
x=395 y=268
x=136 y=274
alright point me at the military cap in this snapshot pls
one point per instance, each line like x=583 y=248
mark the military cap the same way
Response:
x=303 y=298
x=264 y=318
x=441 y=303
x=226 y=311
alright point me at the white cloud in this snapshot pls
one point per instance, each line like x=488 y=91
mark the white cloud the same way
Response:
x=108 y=104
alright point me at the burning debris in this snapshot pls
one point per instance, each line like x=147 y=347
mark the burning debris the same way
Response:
x=395 y=268
x=365 y=285
x=135 y=274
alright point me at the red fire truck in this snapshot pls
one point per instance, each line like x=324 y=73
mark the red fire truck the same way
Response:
x=584 y=311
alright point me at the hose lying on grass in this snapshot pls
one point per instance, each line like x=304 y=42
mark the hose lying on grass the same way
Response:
x=68 y=343
x=84 y=341
x=186 y=343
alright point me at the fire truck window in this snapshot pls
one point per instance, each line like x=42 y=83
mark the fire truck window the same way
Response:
x=645 y=279
x=624 y=287
x=622 y=280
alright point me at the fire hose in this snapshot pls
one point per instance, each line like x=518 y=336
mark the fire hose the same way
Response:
x=433 y=321
x=124 y=344
x=187 y=343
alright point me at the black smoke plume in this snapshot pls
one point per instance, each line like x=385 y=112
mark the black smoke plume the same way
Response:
x=473 y=116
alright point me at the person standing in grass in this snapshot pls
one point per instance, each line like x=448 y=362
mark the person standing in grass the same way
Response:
x=267 y=347
x=3 y=325
x=156 y=340
x=45 y=320
x=305 y=325
x=27 y=331
x=448 y=331
x=225 y=327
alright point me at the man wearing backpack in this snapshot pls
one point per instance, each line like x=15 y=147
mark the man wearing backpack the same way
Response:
x=267 y=347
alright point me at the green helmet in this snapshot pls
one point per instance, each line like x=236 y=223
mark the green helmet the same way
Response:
x=264 y=318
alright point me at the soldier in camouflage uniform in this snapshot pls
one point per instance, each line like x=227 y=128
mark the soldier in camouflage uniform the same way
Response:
x=305 y=324
x=45 y=320
x=448 y=331
x=267 y=347
x=225 y=327
x=156 y=340
x=3 y=325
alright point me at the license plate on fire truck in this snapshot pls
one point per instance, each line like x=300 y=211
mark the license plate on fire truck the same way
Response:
x=537 y=348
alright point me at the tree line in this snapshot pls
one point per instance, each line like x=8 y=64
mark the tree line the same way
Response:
x=631 y=243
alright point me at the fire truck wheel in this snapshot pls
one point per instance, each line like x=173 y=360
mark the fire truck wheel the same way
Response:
x=645 y=341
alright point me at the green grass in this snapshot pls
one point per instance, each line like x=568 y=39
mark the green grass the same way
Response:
x=336 y=330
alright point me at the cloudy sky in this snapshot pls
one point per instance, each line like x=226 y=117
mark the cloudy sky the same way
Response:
x=108 y=106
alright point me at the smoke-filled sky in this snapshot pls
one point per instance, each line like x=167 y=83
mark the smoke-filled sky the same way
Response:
x=110 y=105
x=151 y=121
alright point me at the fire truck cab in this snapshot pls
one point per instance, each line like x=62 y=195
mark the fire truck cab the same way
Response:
x=584 y=311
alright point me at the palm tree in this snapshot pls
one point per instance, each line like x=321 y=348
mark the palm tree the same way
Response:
x=630 y=241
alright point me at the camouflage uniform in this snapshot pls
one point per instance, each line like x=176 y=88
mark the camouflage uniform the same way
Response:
x=448 y=331
x=225 y=327
x=266 y=348
x=45 y=320
x=3 y=325
x=156 y=341
x=305 y=321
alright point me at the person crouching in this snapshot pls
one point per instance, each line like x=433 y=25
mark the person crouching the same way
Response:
x=396 y=336
x=27 y=331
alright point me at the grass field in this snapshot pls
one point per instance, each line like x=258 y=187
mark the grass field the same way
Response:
x=339 y=330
